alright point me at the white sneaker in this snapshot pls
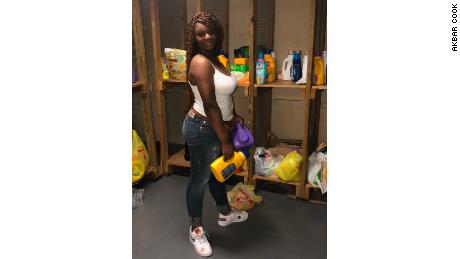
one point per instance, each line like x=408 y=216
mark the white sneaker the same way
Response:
x=234 y=216
x=200 y=242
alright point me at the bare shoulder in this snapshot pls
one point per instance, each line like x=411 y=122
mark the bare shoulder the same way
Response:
x=200 y=62
x=200 y=68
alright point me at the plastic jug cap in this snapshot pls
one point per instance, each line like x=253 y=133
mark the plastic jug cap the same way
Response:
x=246 y=153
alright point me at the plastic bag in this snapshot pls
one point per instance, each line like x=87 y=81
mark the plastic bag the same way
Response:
x=140 y=158
x=175 y=61
x=288 y=169
x=164 y=68
x=138 y=197
x=317 y=170
x=265 y=162
x=242 y=197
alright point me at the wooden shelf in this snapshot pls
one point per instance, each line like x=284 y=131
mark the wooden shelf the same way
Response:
x=174 y=81
x=138 y=85
x=319 y=87
x=271 y=179
x=152 y=169
x=243 y=85
x=178 y=160
x=282 y=84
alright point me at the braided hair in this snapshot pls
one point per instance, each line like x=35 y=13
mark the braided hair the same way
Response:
x=210 y=20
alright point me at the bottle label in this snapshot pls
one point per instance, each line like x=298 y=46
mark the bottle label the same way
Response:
x=228 y=170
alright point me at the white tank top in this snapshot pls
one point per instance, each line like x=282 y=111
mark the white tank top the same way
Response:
x=224 y=88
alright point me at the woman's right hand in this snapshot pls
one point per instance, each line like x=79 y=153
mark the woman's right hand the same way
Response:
x=227 y=150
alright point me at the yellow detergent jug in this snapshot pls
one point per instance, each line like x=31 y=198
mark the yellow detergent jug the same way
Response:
x=318 y=69
x=222 y=170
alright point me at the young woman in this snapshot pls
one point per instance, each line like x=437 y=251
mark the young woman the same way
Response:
x=207 y=125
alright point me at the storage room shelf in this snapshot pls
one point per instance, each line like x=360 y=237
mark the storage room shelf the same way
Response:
x=311 y=186
x=271 y=179
x=152 y=170
x=138 y=85
x=320 y=87
x=281 y=84
x=174 y=81
x=178 y=160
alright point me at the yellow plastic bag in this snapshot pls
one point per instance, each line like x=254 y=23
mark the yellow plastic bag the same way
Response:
x=140 y=158
x=288 y=170
x=242 y=197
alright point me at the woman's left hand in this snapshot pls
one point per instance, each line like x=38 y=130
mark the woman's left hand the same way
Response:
x=237 y=118
x=232 y=123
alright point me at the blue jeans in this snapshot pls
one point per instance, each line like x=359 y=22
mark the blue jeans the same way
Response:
x=204 y=147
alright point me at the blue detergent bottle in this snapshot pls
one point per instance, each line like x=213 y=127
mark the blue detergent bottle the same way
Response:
x=261 y=69
x=296 y=69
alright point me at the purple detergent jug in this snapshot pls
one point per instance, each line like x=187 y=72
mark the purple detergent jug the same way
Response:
x=241 y=137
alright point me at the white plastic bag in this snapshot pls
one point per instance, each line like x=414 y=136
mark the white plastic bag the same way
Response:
x=138 y=198
x=315 y=165
x=265 y=162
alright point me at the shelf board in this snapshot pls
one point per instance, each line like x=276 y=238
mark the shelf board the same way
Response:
x=178 y=160
x=282 y=84
x=319 y=87
x=271 y=179
x=174 y=81
x=138 y=84
x=243 y=85
x=311 y=186
x=152 y=169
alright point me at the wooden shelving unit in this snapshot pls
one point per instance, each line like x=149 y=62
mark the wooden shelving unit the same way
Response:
x=307 y=92
x=144 y=87
x=304 y=92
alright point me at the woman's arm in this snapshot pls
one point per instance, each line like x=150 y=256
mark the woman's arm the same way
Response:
x=203 y=74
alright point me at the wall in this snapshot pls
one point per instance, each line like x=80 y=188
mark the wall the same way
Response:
x=287 y=110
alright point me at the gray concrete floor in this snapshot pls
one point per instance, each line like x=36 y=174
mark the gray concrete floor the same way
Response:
x=277 y=228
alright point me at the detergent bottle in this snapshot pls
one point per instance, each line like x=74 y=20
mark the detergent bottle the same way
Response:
x=222 y=170
x=270 y=61
x=242 y=137
x=287 y=64
x=261 y=69
x=224 y=60
x=296 y=70
x=318 y=69
x=303 y=79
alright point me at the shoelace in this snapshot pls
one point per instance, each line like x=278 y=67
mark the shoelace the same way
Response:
x=204 y=237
